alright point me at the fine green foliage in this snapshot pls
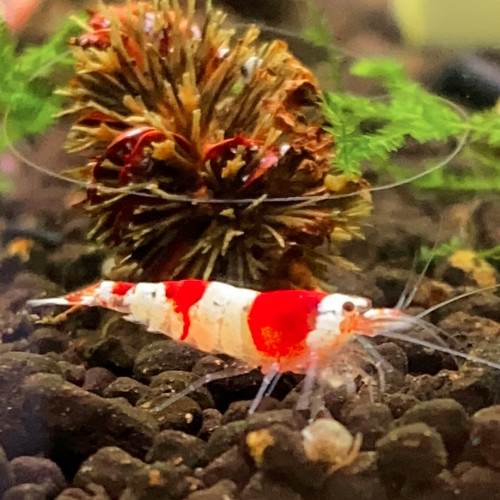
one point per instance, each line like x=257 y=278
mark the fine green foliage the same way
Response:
x=448 y=248
x=369 y=130
x=26 y=89
x=440 y=252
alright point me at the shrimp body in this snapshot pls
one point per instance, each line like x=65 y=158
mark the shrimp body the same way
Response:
x=284 y=328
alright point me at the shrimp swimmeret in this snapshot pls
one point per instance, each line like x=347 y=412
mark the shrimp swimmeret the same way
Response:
x=286 y=330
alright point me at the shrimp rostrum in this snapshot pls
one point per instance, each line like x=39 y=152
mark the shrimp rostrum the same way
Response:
x=301 y=331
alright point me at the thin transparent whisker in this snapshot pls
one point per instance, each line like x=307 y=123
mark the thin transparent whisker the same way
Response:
x=405 y=300
x=446 y=350
x=229 y=201
x=454 y=299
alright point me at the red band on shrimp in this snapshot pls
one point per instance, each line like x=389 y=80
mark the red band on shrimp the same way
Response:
x=184 y=294
x=280 y=321
x=121 y=288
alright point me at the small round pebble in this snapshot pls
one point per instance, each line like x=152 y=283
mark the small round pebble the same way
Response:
x=474 y=388
x=357 y=481
x=414 y=453
x=44 y=340
x=72 y=373
x=28 y=491
x=372 y=420
x=261 y=487
x=78 y=494
x=230 y=465
x=111 y=353
x=171 y=382
x=478 y=483
x=97 y=379
x=485 y=434
x=110 y=467
x=399 y=403
x=183 y=415
x=224 y=438
x=445 y=416
x=126 y=387
x=279 y=452
x=164 y=355
x=212 y=420
x=38 y=470
x=223 y=490
x=170 y=446
x=6 y=475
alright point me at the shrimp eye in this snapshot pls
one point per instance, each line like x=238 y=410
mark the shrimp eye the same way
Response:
x=348 y=307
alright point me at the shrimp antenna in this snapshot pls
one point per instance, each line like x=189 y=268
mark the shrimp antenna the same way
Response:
x=447 y=350
x=407 y=295
x=461 y=141
x=454 y=299
x=228 y=201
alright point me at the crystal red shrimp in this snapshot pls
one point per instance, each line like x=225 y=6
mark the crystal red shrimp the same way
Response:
x=284 y=330
x=259 y=328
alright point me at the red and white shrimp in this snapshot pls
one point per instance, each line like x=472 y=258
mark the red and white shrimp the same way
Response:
x=286 y=330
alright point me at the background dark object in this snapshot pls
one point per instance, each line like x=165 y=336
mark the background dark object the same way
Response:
x=471 y=81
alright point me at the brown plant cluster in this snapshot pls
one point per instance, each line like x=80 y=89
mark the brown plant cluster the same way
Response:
x=198 y=139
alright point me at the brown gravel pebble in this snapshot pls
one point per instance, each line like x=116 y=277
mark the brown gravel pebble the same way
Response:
x=69 y=421
x=478 y=483
x=357 y=481
x=79 y=494
x=126 y=387
x=170 y=446
x=164 y=355
x=485 y=434
x=230 y=465
x=6 y=475
x=399 y=403
x=110 y=467
x=72 y=373
x=38 y=470
x=15 y=438
x=111 y=353
x=162 y=481
x=288 y=418
x=212 y=419
x=445 y=416
x=224 y=437
x=223 y=490
x=279 y=452
x=171 y=382
x=97 y=379
x=44 y=340
x=183 y=415
x=474 y=388
x=28 y=491
x=261 y=487
x=238 y=410
x=372 y=420
x=410 y=454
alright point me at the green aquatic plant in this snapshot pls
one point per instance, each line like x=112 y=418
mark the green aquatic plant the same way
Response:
x=446 y=249
x=370 y=131
x=27 y=82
